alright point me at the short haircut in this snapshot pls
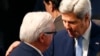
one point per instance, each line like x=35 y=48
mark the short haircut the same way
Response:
x=33 y=24
x=79 y=7
x=55 y=3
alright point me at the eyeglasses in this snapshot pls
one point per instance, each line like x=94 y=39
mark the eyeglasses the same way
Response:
x=50 y=32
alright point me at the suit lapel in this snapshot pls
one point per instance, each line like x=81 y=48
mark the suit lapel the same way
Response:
x=94 y=44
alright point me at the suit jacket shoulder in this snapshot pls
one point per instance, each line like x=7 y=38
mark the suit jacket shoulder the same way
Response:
x=94 y=44
x=24 y=50
x=63 y=45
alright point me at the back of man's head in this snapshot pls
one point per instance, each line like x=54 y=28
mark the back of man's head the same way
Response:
x=33 y=24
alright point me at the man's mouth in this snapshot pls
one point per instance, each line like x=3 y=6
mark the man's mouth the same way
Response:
x=72 y=33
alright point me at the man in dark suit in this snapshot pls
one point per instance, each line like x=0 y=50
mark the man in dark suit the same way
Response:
x=35 y=34
x=76 y=16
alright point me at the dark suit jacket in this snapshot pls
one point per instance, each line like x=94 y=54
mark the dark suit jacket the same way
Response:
x=63 y=45
x=59 y=23
x=24 y=50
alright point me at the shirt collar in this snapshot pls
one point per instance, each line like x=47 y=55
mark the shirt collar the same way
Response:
x=86 y=35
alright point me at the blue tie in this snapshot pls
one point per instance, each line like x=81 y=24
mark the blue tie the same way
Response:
x=79 y=47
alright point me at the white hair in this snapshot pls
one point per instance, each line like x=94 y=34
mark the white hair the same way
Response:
x=78 y=7
x=33 y=24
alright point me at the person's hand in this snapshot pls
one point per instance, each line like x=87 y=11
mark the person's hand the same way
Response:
x=11 y=47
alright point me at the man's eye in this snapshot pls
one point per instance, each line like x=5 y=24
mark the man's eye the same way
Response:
x=64 y=21
x=72 y=22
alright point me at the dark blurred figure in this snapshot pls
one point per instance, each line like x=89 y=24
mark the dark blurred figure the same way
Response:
x=95 y=9
x=3 y=16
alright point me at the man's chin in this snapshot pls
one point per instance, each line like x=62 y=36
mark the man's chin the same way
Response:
x=71 y=36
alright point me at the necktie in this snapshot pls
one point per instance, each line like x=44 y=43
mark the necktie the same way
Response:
x=79 y=47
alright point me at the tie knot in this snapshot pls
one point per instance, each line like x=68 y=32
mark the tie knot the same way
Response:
x=80 y=41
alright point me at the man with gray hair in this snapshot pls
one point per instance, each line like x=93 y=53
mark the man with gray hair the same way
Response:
x=36 y=34
x=81 y=36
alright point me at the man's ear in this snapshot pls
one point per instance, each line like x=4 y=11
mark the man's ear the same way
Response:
x=41 y=37
x=51 y=6
x=87 y=16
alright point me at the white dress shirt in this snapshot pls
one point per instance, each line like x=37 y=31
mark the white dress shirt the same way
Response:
x=85 y=41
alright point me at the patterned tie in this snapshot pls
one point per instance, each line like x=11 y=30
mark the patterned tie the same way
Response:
x=79 y=47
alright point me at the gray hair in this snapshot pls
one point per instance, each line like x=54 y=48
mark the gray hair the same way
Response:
x=79 y=7
x=33 y=24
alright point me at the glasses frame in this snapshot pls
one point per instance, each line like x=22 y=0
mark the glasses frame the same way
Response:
x=50 y=32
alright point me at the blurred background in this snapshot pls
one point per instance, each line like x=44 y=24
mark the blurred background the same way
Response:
x=12 y=13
